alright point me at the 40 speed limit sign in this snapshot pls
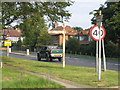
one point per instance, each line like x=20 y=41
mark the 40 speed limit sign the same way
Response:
x=95 y=32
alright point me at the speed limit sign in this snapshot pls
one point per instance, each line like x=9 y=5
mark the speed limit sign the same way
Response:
x=95 y=33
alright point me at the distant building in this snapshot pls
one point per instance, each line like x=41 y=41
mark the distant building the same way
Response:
x=84 y=37
x=57 y=34
x=12 y=35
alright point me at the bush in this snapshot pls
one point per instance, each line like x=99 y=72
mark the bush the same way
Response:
x=88 y=49
x=112 y=50
x=73 y=45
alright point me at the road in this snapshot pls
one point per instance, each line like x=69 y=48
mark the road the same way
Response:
x=74 y=61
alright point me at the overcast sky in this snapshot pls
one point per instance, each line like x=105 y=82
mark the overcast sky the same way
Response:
x=80 y=12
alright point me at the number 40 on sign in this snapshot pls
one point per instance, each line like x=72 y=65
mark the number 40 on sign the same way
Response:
x=95 y=32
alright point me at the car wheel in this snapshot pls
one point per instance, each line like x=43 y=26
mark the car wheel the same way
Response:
x=60 y=59
x=38 y=57
x=50 y=59
x=47 y=58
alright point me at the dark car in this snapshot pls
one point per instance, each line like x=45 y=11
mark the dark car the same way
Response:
x=50 y=53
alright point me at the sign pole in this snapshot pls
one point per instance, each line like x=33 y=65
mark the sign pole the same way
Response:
x=96 y=56
x=99 y=72
x=98 y=33
x=7 y=51
x=63 y=45
x=104 y=59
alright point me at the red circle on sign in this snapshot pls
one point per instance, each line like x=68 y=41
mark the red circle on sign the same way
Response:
x=96 y=28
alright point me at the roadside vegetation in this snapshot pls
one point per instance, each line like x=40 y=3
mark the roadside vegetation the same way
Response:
x=15 y=79
x=80 y=75
x=74 y=47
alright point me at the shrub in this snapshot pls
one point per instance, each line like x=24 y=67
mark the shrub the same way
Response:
x=73 y=45
x=112 y=50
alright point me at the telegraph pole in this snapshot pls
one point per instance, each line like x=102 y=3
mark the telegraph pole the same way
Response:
x=63 y=45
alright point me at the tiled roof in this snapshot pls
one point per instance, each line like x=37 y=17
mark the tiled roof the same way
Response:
x=11 y=33
x=68 y=30
x=84 y=32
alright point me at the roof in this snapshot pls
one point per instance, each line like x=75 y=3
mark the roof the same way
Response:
x=11 y=33
x=84 y=32
x=59 y=29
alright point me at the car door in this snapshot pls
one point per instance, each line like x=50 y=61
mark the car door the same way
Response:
x=43 y=52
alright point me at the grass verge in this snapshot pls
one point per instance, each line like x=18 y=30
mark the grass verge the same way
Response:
x=80 y=75
x=87 y=56
x=16 y=79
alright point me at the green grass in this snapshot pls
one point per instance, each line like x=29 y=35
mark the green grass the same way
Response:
x=16 y=79
x=80 y=75
x=87 y=56
x=22 y=51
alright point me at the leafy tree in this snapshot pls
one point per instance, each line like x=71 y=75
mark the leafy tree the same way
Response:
x=111 y=20
x=20 y=11
x=35 y=31
x=79 y=29
x=73 y=45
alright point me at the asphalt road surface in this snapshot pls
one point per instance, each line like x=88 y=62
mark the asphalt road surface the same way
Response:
x=74 y=61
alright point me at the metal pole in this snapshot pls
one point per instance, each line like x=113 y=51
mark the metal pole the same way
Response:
x=97 y=63
x=63 y=45
x=104 y=59
x=96 y=56
x=99 y=72
x=7 y=51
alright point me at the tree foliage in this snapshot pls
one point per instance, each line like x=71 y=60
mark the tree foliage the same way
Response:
x=20 y=11
x=73 y=45
x=111 y=20
x=79 y=29
x=35 y=31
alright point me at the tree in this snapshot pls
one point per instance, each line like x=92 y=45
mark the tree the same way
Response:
x=111 y=20
x=35 y=31
x=73 y=45
x=79 y=29
x=20 y=11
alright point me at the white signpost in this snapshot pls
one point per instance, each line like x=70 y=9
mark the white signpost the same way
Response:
x=98 y=33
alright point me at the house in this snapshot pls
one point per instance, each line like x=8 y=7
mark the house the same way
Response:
x=12 y=35
x=84 y=37
x=57 y=34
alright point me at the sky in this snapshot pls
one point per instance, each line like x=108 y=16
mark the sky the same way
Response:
x=80 y=12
